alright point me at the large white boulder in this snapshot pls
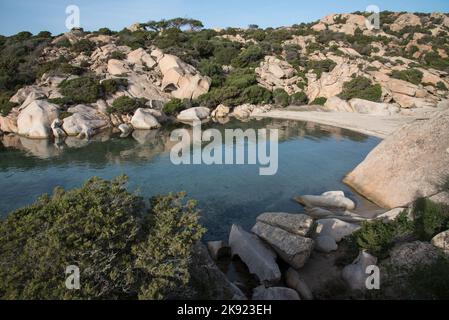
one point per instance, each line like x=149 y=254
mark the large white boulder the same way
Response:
x=293 y=249
x=140 y=56
x=84 y=122
x=373 y=108
x=194 y=114
x=144 y=119
x=257 y=256
x=409 y=164
x=35 y=120
x=337 y=104
x=117 y=67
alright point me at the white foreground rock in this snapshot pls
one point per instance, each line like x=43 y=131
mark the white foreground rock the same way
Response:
x=335 y=228
x=143 y=119
x=257 y=256
x=194 y=114
x=35 y=120
x=332 y=199
x=441 y=241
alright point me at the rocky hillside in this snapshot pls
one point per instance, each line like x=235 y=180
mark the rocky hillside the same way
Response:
x=79 y=83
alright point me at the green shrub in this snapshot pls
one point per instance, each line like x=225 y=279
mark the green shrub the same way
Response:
x=433 y=60
x=118 y=55
x=174 y=106
x=5 y=105
x=362 y=88
x=227 y=95
x=111 y=86
x=242 y=78
x=281 y=98
x=249 y=57
x=81 y=90
x=63 y=102
x=126 y=105
x=298 y=99
x=105 y=31
x=430 y=219
x=64 y=43
x=411 y=75
x=213 y=70
x=321 y=66
x=224 y=54
x=256 y=95
x=319 y=101
x=83 y=45
x=378 y=237
x=123 y=251
x=441 y=86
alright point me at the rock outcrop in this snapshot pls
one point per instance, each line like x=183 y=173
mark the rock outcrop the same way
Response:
x=335 y=228
x=298 y=224
x=84 y=122
x=194 y=114
x=144 y=119
x=409 y=164
x=274 y=74
x=441 y=241
x=35 y=120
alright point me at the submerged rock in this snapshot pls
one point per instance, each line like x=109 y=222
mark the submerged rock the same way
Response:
x=293 y=249
x=257 y=256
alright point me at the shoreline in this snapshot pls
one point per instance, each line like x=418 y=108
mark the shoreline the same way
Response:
x=376 y=126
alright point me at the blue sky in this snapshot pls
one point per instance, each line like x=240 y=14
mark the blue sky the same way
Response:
x=35 y=16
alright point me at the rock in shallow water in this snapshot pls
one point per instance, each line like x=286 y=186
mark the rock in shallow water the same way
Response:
x=293 y=249
x=332 y=199
x=143 y=119
x=35 y=120
x=258 y=257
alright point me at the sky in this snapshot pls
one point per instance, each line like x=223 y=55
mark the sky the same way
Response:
x=49 y=15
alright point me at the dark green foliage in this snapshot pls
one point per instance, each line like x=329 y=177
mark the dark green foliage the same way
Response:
x=44 y=34
x=64 y=114
x=320 y=101
x=227 y=95
x=362 y=88
x=224 y=53
x=281 y=98
x=83 y=45
x=117 y=55
x=122 y=250
x=256 y=95
x=59 y=67
x=173 y=106
x=321 y=66
x=63 y=102
x=81 y=90
x=242 y=78
x=298 y=99
x=64 y=43
x=5 y=105
x=431 y=218
x=433 y=60
x=441 y=86
x=378 y=237
x=111 y=86
x=248 y=57
x=134 y=40
x=430 y=282
x=213 y=70
x=105 y=31
x=411 y=75
x=126 y=105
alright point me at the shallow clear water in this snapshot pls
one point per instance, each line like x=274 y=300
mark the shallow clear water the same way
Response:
x=312 y=159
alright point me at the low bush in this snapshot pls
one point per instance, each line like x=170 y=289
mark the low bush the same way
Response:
x=411 y=75
x=281 y=98
x=111 y=86
x=118 y=55
x=320 y=101
x=321 y=66
x=430 y=219
x=249 y=57
x=362 y=88
x=256 y=95
x=122 y=249
x=5 y=105
x=173 y=106
x=441 y=86
x=299 y=99
x=126 y=105
x=81 y=90
x=83 y=45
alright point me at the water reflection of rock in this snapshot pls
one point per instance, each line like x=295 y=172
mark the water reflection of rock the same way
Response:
x=146 y=144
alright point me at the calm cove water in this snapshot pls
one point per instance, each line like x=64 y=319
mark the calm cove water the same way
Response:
x=312 y=159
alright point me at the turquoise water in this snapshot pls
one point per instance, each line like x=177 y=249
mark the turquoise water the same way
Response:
x=312 y=159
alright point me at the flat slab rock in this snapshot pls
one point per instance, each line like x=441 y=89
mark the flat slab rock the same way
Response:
x=331 y=199
x=258 y=257
x=335 y=228
x=299 y=224
x=292 y=248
